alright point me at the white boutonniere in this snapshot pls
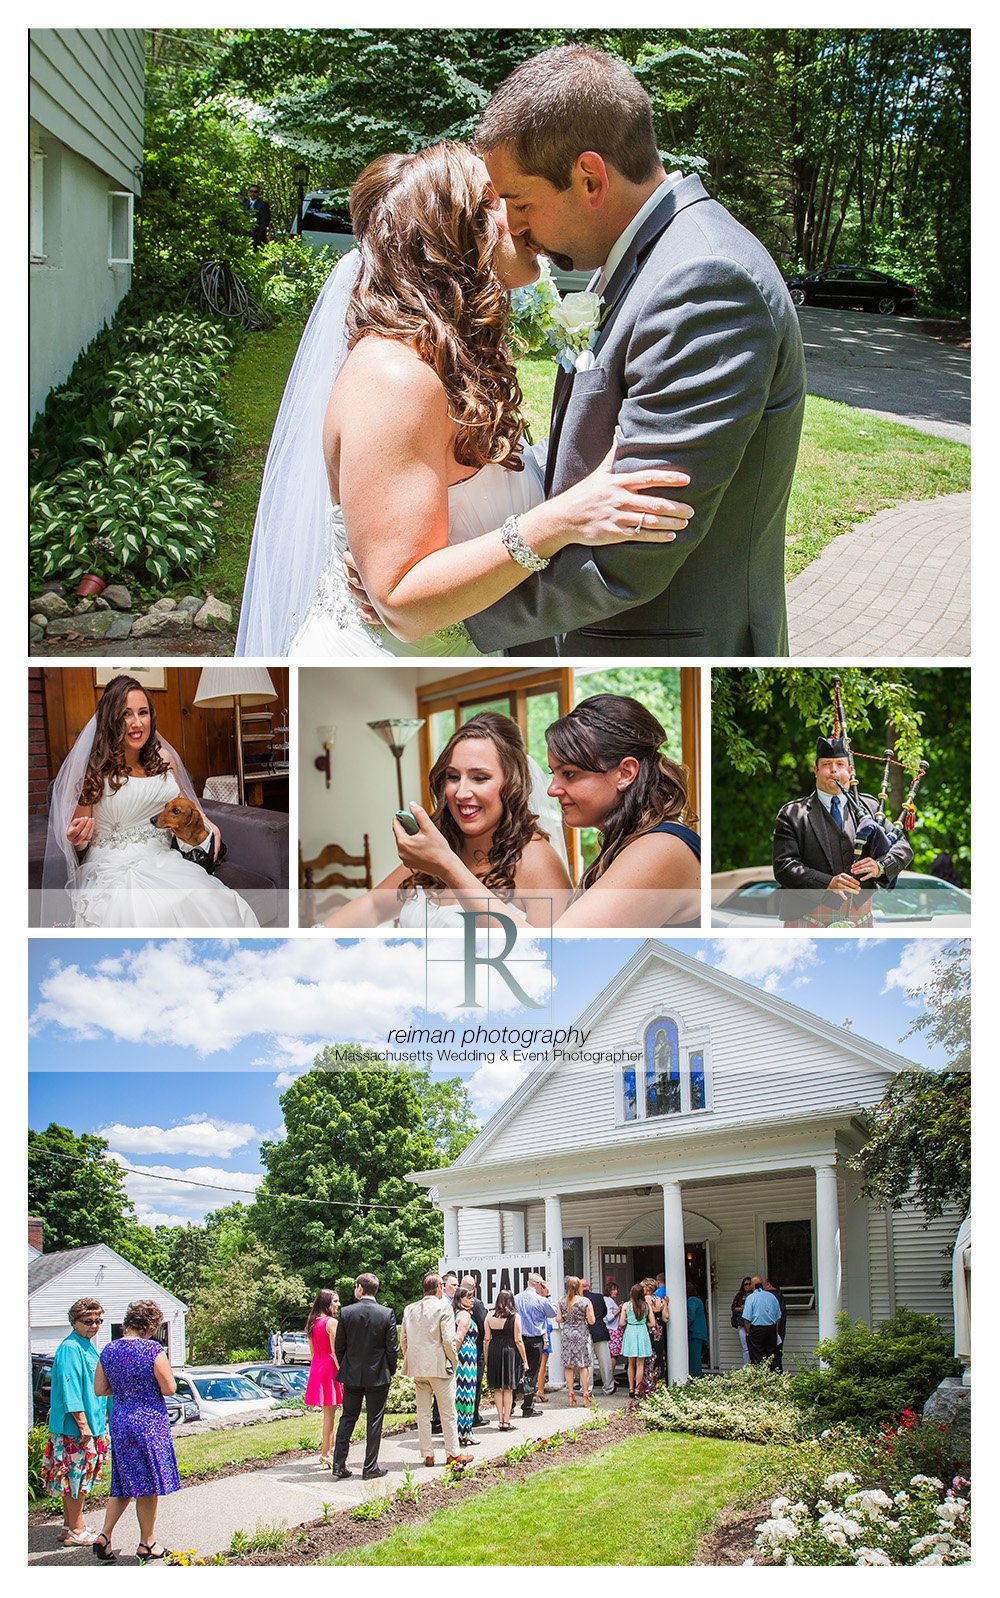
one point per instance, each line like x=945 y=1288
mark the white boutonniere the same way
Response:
x=575 y=328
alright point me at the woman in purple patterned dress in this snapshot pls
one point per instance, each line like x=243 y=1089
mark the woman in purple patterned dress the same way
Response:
x=135 y=1371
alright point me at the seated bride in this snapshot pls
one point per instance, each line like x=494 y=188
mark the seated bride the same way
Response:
x=496 y=821
x=106 y=863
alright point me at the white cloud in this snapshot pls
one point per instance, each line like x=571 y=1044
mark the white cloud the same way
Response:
x=768 y=963
x=177 y=994
x=493 y=1083
x=148 y=1217
x=195 y=1135
x=207 y=1187
x=915 y=967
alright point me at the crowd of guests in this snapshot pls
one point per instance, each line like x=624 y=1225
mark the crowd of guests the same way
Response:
x=451 y=1344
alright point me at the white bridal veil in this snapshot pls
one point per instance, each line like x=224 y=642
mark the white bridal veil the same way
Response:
x=61 y=866
x=289 y=546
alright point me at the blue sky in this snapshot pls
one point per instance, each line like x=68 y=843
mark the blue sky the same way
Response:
x=177 y=1051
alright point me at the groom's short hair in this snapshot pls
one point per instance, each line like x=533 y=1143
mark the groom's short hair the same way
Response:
x=566 y=100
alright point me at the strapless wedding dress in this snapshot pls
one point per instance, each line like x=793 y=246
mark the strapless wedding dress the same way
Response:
x=133 y=877
x=475 y=506
x=420 y=909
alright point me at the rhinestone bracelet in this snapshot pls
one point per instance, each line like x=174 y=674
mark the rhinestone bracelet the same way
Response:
x=518 y=550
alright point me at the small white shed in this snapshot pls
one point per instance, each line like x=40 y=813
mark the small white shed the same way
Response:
x=55 y=1281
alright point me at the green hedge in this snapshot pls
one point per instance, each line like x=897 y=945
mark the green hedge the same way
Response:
x=874 y=1375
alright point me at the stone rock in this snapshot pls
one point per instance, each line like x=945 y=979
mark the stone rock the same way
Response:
x=164 y=605
x=38 y=619
x=118 y=597
x=168 y=623
x=53 y=586
x=213 y=610
x=950 y=1405
x=121 y=626
x=92 y=602
x=36 y=634
x=50 y=604
x=96 y=625
x=191 y=603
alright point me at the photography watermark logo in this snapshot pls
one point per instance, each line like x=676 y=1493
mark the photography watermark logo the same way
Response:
x=495 y=959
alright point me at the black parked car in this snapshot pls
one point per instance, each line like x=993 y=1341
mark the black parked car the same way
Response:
x=854 y=287
x=41 y=1386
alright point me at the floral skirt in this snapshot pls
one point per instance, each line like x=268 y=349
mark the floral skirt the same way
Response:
x=72 y=1466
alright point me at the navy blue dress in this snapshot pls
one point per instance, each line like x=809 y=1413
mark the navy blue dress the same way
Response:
x=678 y=830
x=142 y=1451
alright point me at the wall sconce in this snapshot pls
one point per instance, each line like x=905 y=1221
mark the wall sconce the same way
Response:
x=326 y=736
x=397 y=732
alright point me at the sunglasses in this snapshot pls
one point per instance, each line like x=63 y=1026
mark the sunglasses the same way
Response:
x=91 y=1320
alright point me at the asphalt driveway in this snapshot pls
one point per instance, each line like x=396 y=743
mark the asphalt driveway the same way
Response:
x=889 y=366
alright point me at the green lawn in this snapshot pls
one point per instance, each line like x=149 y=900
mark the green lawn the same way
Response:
x=850 y=464
x=645 y=1502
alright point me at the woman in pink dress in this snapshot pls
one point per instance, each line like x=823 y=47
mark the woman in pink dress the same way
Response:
x=323 y=1391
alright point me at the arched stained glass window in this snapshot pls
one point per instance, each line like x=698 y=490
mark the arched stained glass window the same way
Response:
x=663 y=1068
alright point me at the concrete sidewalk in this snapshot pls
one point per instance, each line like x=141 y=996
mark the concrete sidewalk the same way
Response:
x=206 y=1515
x=896 y=587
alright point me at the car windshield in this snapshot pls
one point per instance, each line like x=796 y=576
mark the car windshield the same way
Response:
x=911 y=901
x=295 y=1378
x=220 y=1388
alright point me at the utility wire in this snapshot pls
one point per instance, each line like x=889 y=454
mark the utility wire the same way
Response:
x=220 y=1187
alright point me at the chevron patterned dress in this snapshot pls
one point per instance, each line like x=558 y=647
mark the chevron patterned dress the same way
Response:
x=465 y=1383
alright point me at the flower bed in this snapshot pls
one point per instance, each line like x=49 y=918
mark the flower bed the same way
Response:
x=923 y=1523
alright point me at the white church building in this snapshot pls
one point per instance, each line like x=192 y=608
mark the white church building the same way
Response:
x=722 y=1147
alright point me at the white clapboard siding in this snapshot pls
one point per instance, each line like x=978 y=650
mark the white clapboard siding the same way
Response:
x=479 y=1232
x=87 y=89
x=922 y=1258
x=759 y=1062
x=100 y=1273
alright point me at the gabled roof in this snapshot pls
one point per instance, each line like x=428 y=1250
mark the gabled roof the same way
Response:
x=46 y=1267
x=872 y=1054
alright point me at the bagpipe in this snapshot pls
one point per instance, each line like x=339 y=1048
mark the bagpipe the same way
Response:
x=876 y=833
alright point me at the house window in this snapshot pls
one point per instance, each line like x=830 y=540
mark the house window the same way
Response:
x=675 y=1078
x=119 y=227
x=788 y=1248
x=573 y=1256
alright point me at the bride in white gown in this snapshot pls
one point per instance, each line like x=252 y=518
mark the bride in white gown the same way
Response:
x=106 y=864
x=491 y=808
x=397 y=451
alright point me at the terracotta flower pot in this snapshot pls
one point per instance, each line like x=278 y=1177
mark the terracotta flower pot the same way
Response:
x=90 y=585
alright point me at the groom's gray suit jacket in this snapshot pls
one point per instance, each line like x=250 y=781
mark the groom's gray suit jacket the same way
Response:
x=699 y=367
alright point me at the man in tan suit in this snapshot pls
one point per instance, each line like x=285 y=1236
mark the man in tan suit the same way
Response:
x=428 y=1344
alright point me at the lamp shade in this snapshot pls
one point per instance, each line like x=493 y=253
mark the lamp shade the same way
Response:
x=326 y=735
x=396 y=731
x=219 y=687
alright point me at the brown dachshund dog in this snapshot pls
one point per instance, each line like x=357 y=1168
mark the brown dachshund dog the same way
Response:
x=183 y=818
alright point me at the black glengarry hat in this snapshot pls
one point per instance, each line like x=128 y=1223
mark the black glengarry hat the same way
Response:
x=831 y=749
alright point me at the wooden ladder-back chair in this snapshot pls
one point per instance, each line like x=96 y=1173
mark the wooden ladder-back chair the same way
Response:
x=318 y=874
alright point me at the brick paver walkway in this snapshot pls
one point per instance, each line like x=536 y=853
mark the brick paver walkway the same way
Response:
x=914 y=561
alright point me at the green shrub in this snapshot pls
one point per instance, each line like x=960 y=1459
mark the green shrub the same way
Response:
x=751 y=1404
x=285 y=276
x=873 y=1375
x=246 y=1356
x=402 y=1398
x=37 y=1438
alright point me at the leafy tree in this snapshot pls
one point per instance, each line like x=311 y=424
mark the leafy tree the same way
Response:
x=78 y=1192
x=350 y=1138
x=447 y=1114
x=251 y=1295
x=919 y=1146
x=764 y=727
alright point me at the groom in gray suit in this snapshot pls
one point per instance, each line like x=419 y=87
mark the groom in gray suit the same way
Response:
x=698 y=366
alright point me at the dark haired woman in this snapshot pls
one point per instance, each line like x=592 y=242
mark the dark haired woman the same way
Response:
x=323 y=1390
x=485 y=817
x=117 y=869
x=135 y=1371
x=504 y=1346
x=608 y=772
x=736 y=1317
x=398 y=442
x=466 y=1361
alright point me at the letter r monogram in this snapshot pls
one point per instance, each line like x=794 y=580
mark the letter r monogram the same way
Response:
x=496 y=961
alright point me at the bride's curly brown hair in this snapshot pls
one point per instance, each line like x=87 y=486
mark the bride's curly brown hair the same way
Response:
x=107 y=756
x=428 y=236
x=518 y=823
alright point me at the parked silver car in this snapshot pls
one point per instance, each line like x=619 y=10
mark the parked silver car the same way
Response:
x=748 y=897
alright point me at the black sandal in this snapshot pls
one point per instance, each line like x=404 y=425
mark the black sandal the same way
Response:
x=106 y=1552
x=149 y=1555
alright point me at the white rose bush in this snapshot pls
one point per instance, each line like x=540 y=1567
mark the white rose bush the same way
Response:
x=924 y=1523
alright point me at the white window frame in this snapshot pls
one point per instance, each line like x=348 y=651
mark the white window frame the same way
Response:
x=686 y=1046
x=36 y=213
x=128 y=197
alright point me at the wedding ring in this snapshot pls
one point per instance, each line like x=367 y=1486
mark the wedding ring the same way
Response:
x=638 y=525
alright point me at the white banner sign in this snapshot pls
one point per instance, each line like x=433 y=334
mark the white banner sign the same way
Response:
x=495 y=1272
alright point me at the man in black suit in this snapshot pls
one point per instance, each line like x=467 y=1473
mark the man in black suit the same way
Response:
x=814 y=848
x=367 y=1352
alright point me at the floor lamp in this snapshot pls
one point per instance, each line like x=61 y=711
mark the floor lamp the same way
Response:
x=234 y=688
x=397 y=733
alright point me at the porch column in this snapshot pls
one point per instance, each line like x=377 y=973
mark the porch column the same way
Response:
x=554 y=1242
x=828 y=1261
x=675 y=1272
x=450 y=1213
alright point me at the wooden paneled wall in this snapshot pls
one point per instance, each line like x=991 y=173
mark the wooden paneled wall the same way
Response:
x=202 y=738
